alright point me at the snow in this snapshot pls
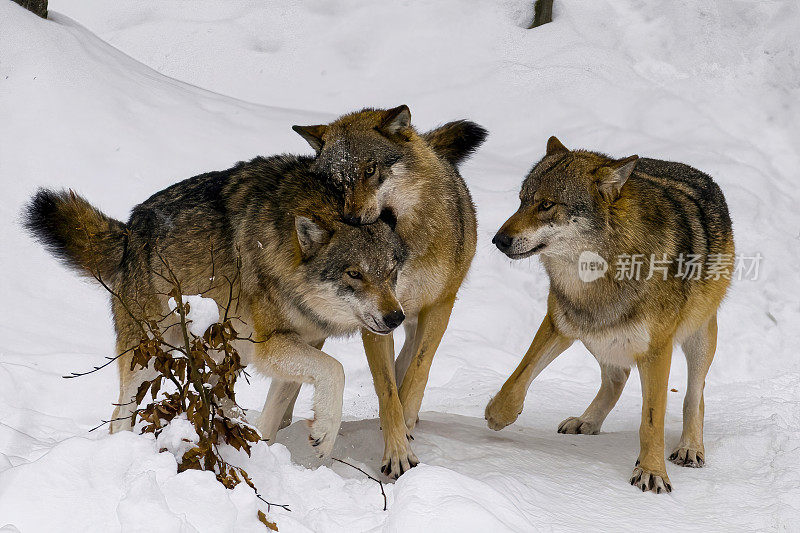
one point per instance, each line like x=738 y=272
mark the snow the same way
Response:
x=202 y=312
x=178 y=437
x=119 y=100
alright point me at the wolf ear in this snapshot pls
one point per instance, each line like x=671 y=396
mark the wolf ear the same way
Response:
x=310 y=236
x=396 y=119
x=612 y=176
x=455 y=141
x=554 y=146
x=312 y=135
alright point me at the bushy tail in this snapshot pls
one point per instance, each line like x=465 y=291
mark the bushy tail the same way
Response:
x=455 y=141
x=78 y=234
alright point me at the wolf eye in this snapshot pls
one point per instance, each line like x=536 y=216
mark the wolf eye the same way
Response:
x=370 y=170
x=355 y=274
x=544 y=206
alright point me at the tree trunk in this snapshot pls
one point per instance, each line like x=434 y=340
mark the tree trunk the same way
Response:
x=542 y=13
x=37 y=6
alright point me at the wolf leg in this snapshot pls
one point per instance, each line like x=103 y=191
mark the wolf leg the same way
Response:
x=407 y=351
x=128 y=385
x=129 y=382
x=431 y=325
x=699 y=349
x=281 y=400
x=506 y=406
x=286 y=420
x=650 y=472
x=397 y=455
x=612 y=381
x=288 y=358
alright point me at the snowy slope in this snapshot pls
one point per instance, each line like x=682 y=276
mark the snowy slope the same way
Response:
x=714 y=84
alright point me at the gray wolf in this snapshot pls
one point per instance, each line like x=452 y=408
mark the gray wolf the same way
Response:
x=304 y=275
x=384 y=169
x=576 y=201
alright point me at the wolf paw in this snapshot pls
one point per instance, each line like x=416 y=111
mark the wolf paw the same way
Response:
x=322 y=435
x=683 y=456
x=650 y=481
x=398 y=458
x=577 y=426
x=501 y=411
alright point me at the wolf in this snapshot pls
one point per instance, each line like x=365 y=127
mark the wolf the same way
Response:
x=304 y=275
x=575 y=202
x=384 y=169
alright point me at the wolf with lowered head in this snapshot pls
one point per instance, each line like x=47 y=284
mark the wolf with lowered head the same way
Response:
x=303 y=274
x=574 y=202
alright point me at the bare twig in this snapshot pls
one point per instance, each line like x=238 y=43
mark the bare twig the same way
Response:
x=269 y=504
x=378 y=481
x=95 y=369
x=104 y=422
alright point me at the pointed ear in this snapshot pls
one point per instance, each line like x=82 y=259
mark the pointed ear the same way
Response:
x=554 y=146
x=612 y=176
x=396 y=119
x=310 y=236
x=455 y=141
x=312 y=135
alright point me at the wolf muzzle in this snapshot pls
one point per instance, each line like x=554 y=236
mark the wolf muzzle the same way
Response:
x=394 y=319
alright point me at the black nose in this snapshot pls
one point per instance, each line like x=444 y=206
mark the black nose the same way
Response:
x=502 y=241
x=393 y=319
x=353 y=220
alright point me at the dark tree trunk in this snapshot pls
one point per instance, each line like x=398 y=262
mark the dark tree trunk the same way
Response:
x=542 y=13
x=37 y=6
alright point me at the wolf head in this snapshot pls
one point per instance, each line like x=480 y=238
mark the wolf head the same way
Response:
x=372 y=155
x=566 y=202
x=353 y=270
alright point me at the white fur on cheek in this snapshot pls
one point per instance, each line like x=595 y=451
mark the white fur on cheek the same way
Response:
x=329 y=304
x=399 y=191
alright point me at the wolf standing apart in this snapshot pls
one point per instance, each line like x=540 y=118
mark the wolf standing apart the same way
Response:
x=578 y=201
x=304 y=274
x=383 y=168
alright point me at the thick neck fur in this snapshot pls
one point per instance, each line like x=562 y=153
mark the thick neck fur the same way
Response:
x=418 y=191
x=606 y=300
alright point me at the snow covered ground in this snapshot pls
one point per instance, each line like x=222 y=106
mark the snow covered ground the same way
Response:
x=118 y=100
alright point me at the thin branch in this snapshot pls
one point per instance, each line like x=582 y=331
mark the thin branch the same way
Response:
x=213 y=272
x=383 y=493
x=95 y=369
x=269 y=504
x=104 y=422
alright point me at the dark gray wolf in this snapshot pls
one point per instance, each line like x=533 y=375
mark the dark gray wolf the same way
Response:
x=578 y=202
x=303 y=274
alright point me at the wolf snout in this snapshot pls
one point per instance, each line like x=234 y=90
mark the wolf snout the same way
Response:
x=394 y=319
x=503 y=241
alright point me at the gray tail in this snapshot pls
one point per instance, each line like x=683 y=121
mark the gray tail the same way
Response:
x=76 y=233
